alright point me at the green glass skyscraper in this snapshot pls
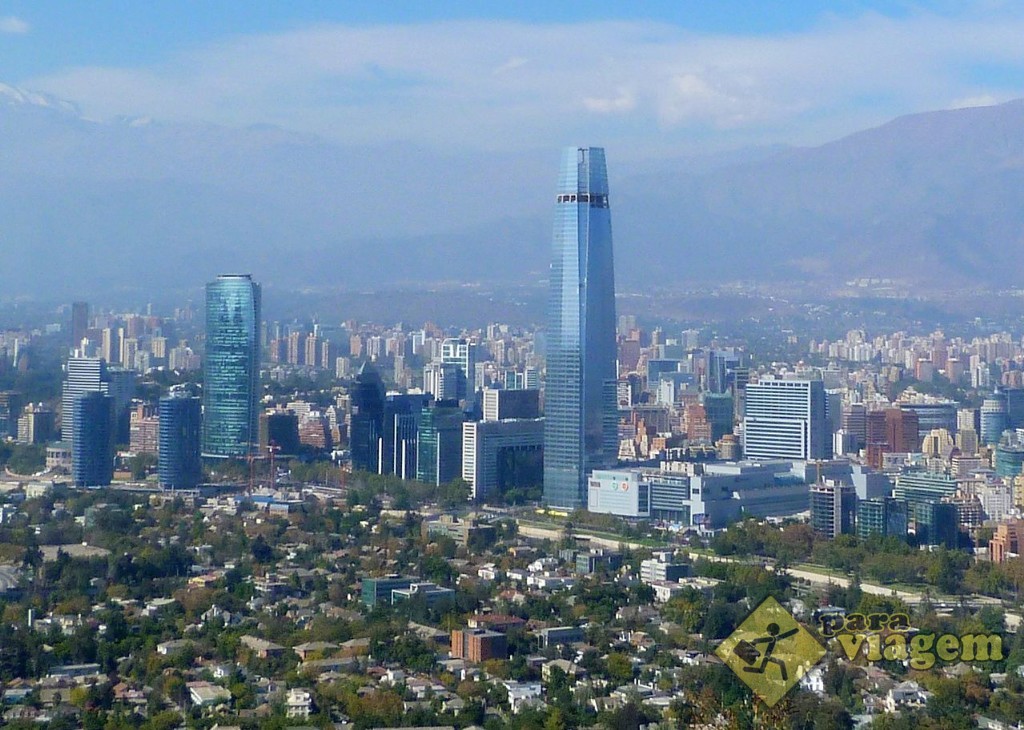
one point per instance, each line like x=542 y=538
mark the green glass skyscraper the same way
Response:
x=231 y=367
x=581 y=417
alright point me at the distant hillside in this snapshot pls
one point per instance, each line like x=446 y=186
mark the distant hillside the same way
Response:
x=88 y=206
x=934 y=197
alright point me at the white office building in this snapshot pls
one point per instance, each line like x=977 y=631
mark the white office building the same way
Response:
x=786 y=419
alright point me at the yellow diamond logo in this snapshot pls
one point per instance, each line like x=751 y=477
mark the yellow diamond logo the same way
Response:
x=770 y=651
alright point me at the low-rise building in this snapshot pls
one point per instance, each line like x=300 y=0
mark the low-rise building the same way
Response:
x=662 y=567
x=463 y=531
x=596 y=560
x=427 y=590
x=556 y=635
x=299 y=703
x=478 y=645
x=207 y=694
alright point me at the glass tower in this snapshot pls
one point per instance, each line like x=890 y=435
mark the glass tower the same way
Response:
x=92 y=451
x=180 y=429
x=581 y=418
x=367 y=424
x=439 y=445
x=232 y=367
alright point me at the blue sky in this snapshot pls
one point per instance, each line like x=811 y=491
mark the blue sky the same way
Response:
x=656 y=76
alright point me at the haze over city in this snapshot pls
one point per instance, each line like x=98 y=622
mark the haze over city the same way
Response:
x=191 y=137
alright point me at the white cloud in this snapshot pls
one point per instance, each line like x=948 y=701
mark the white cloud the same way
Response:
x=624 y=101
x=490 y=84
x=13 y=25
x=512 y=64
x=973 y=101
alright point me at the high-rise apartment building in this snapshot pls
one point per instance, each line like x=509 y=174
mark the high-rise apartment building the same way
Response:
x=35 y=425
x=785 y=419
x=854 y=422
x=581 y=415
x=181 y=427
x=110 y=344
x=232 y=367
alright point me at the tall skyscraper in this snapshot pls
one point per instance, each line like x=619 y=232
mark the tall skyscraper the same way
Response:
x=399 y=433
x=81 y=375
x=439 y=443
x=232 y=367
x=92 y=451
x=367 y=423
x=581 y=417
x=180 y=431
x=785 y=419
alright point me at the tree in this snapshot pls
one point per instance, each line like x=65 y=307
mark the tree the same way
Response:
x=945 y=573
x=687 y=610
x=141 y=464
x=26 y=458
x=719 y=621
x=619 y=668
x=1013 y=569
x=261 y=551
x=454 y=494
x=555 y=720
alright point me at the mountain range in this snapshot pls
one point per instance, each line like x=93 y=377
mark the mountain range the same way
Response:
x=91 y=206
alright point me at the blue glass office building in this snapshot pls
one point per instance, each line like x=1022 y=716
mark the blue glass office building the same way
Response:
x=580 y=431
x=231 y=367
x=180 y=432
x=367 y=422
x=92 y=451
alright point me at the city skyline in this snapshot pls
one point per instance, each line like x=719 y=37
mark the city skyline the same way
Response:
x=450 y=454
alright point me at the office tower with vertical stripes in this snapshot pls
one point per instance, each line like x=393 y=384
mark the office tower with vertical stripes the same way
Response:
x=81 y=375
x=581 y=417
x=231 y=367
x=92 y=451
x=181 y=425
